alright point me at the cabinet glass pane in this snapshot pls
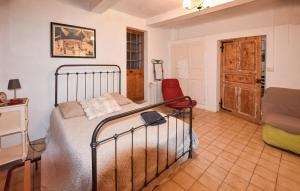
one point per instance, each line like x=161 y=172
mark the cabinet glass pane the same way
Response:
x=128 y=56
x=133 y=37
x=128 y=36
x=134 y=50
x=128 y=46
x=128 y=64
x=134 y=47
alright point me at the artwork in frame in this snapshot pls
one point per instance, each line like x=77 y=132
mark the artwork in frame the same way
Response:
x=158 y=69
x=70 y=41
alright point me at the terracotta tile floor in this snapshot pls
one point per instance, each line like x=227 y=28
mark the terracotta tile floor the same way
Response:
x=233 y=156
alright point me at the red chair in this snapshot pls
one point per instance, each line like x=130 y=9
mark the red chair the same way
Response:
x=171 y=90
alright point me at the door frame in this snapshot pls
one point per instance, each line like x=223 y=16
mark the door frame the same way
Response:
x=145 y=64
x=219 y=73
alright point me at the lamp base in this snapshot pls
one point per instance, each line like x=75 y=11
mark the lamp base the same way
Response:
x=15 y=93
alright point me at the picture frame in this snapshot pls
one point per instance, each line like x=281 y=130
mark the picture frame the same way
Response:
x=70 y=41
x=158 y=69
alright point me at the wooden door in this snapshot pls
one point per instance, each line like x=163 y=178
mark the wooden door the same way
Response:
x=241 y=76
x=135 y=65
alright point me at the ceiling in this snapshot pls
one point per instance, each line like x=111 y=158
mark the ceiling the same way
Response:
x=146 y=8
x=169 y=13
x=83 y=4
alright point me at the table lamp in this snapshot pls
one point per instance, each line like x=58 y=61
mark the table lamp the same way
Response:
x=14 y=84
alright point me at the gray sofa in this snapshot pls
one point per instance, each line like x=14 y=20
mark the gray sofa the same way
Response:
x=281 y=118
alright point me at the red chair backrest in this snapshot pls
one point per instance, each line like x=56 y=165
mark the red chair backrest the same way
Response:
x=171 y=89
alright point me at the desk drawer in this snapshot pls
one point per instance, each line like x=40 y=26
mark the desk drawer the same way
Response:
x=10 y=121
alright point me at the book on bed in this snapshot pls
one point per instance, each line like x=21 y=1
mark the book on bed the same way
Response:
x=153 y=118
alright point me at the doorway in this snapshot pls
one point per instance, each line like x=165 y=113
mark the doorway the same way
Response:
x=242 y=77
x=135 y=65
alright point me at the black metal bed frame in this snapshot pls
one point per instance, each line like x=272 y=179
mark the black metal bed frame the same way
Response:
x=85 y=74
x=94 y=142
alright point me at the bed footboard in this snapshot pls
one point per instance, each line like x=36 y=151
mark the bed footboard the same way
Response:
x=95 y=143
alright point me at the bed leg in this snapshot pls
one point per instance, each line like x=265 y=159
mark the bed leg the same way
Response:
x=191 y=129
x=94 y=166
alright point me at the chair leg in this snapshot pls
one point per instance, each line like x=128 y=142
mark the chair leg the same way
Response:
x=36 y=165
x=27 y=176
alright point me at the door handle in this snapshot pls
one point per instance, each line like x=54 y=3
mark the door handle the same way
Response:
x=258 y=81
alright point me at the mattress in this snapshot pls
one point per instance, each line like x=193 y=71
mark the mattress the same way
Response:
x=66 y=162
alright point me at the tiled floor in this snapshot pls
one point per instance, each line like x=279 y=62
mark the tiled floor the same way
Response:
x=233 y=156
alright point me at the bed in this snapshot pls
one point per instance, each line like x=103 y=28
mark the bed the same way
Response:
x=117 y=151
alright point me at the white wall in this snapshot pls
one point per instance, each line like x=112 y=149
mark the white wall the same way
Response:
x=26 y=49
x=279 y=21
x=3 y=12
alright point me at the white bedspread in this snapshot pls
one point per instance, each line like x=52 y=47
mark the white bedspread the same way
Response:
x=66 y=162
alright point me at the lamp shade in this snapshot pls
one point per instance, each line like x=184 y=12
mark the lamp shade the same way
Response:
x=14 y=84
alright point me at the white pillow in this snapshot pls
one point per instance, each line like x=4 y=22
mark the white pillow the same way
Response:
x=97 y=107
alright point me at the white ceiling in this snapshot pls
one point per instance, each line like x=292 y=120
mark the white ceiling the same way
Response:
x=146 y=8
x=181 y=16
x=168 y=13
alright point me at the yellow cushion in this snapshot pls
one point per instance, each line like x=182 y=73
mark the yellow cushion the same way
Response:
x=281 y=139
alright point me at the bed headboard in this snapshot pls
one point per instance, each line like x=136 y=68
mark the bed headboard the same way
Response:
x=83 y=81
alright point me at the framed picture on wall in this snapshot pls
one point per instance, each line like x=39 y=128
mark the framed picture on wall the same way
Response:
x=158 y=69
x=70 y=41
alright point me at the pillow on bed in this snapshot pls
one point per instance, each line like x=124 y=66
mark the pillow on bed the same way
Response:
x=120 y=99
x=97 y=107
x=70 y=109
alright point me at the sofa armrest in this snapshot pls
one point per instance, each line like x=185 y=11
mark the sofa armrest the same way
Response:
x=286 y=123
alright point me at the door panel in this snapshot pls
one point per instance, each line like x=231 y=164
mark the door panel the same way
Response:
x=240 y=78
x=240 y=69
x=230 y=56
x=229 y=97
x=139 y=92
x=248 y=55
x=130 y=88
x=135 y=65
x=187 y=65
x=246 y=102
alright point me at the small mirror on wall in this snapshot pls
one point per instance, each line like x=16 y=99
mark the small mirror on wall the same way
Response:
x=158 y=69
